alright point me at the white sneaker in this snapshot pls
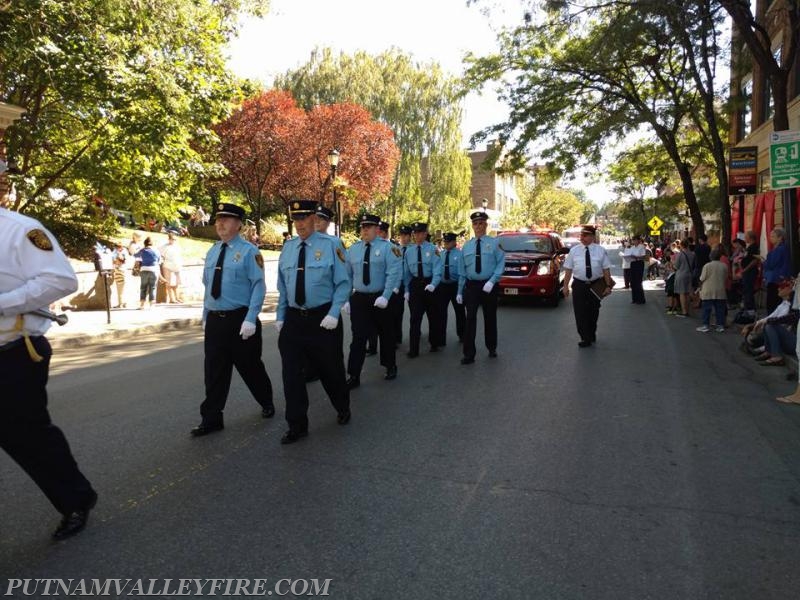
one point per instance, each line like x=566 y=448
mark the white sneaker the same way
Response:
x=703 y=329
x=720 y=329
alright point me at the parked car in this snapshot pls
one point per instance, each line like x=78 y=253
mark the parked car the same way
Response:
x=533 y=265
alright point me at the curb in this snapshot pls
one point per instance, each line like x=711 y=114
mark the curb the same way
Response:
x=80 y=340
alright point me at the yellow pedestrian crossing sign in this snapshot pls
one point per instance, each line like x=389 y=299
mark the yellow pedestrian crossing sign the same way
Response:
x=655 y=223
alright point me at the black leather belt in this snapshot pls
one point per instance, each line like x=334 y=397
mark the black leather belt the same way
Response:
x=367 y=293
x=310 y=312
x=476 y=281
x=11 y=345
x=423 y=279
x=227 y=313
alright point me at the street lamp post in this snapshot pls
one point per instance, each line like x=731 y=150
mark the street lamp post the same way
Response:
x=333 y=161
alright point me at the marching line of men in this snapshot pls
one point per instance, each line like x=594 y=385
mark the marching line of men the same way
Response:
x=318 y=279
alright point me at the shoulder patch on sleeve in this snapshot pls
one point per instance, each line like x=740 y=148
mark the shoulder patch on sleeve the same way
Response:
x=396 y=251
x=340 y=253
x=39 y=239
x=259 y=260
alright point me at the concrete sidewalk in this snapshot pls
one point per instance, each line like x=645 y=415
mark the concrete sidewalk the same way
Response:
x=91 y=327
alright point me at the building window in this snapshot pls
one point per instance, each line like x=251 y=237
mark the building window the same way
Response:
x=746 y=106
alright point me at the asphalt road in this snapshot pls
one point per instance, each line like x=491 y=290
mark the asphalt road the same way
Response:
x=653 y=465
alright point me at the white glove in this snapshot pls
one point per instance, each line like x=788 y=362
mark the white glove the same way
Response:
x=381 y=302
x=396 y=290
x=279 y=325
x=430 y=287
x=329 y=322
x=460 y=299
x=346 y=308
x=487 y=287
x=407 y=295
x=247 y=330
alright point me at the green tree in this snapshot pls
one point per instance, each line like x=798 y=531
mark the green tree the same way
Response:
x=422 y=107
x=587 y=73
x=544 y=204
x=115 y=93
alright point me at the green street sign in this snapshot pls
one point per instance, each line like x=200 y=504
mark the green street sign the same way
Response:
x=784 y=159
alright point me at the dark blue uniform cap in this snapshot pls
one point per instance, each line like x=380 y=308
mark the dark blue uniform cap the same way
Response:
x=404 y=229
x=479 y=215
x=419 y=227
x=384 y=226
x=300 y=209
x=369 y=220
x=325 y=213
x=230 y=210
x=449 y=237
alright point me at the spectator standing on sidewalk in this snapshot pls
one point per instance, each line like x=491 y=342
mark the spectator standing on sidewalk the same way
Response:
x=233 y=277
x=119 y=258
x=34 y=272
x=150 y=260
x=626 y=263
x=684 y=263
x=171 y=267
x=713 y=295
x=777 y=266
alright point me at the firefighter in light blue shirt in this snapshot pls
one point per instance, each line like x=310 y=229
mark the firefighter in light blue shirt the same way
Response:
x=422 y=271
x=313 y=285
x=374 y=265
x=233 y=277
x=481 y=266
x=447 y=291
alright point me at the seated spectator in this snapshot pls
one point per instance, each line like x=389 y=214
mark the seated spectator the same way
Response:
x=779 y=329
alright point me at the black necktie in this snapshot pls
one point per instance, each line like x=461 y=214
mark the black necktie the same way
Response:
x=588 y=265
x=300 y=283
x=447 y=265
x=365 y=272
x=216 y=283
x=419 y=262
x=478 y=255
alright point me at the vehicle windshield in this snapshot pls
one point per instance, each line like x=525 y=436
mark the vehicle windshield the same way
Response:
x=527 y=243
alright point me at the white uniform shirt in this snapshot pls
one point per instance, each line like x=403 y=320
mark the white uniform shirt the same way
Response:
x=173 y=259
x=626 y=257
x=34 y=272
x=576 y=261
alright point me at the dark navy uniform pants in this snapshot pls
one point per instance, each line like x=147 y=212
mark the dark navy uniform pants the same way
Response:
x=445 y=297
x=422 y=303
x=587 y=309
x=365 y=318
x=397 y=304
x=28 y=435
x=225 y=349
x=475 y=297
x=637 y=276
x=302 y=341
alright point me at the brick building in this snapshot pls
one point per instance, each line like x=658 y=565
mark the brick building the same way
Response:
x=500 y=190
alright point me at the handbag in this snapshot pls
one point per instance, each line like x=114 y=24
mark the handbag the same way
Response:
x=137 y=269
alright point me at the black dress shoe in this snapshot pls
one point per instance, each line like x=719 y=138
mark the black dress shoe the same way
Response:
x=353 y=382
x=268 y=413
x=584 y=343
x=206 y=428
x=74 y=522
x=412 y=354
x=467 y=361
x=343 y=418
x=492 y=353
x=290 y=437
x=391 y=373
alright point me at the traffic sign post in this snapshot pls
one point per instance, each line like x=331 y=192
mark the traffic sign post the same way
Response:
x=655 y=223
x=784 y=159
x=784 y=171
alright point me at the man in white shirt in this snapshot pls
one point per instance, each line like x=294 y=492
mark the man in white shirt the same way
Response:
x=636 y=254
x=34 y=272
x=585 y=264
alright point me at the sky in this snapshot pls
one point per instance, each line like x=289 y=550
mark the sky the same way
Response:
x=428 y=30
